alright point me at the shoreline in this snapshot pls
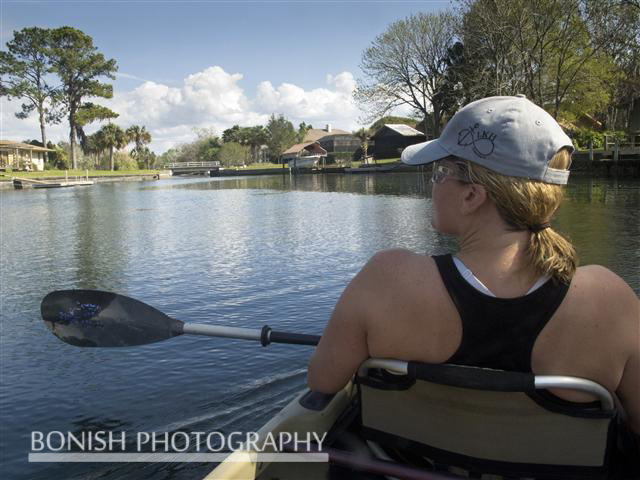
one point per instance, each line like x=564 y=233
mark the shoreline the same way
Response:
x=597 y=169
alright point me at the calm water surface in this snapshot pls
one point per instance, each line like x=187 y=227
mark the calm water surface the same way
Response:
x=236 y=251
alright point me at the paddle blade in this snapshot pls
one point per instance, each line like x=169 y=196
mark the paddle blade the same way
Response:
x=91 y=318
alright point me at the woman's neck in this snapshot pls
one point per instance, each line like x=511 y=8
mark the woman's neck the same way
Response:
x=498 y=258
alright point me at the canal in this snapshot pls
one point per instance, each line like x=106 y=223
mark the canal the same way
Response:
x=244 y=251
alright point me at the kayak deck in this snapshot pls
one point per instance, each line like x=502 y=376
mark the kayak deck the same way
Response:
x=294 y=418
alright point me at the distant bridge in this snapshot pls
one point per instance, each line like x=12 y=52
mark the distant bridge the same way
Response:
x=193 y=168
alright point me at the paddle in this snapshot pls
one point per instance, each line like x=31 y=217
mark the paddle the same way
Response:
x=92 y=318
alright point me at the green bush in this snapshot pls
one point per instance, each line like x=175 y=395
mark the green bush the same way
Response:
x=124 y=161
x=58 y=160
x=582 y=136
x=233 y=154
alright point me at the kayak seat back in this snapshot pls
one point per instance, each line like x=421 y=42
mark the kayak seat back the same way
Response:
x=483 y=421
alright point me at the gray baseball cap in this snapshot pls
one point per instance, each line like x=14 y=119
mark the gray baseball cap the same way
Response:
x=509 y=135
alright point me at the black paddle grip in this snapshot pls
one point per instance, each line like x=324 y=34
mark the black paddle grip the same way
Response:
x=294 y=338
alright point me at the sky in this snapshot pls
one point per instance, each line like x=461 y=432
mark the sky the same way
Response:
x=207 y=64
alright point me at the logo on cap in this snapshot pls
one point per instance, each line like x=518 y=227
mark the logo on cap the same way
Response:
x=481 y=140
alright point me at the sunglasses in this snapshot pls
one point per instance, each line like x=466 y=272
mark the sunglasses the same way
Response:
x=441 y=172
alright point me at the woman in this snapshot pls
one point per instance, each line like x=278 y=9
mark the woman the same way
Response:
x=512 y=297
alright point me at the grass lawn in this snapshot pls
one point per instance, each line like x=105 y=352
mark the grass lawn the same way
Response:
x=378 y=162
x=74 y=173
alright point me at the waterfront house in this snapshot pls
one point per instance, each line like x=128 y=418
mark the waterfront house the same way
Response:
x=22 y=156
x=390 y=139
x=339 y=144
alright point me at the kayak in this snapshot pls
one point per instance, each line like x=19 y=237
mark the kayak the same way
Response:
x=392 y=423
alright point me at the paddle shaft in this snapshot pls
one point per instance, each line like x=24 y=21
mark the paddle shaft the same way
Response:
x=265 y=335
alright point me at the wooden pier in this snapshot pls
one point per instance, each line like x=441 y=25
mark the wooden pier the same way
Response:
x=20 y=183
x=614 y=159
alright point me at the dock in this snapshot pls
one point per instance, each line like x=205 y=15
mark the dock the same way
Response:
x=19 y=183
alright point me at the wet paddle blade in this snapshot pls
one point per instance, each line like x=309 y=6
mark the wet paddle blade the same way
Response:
x=92 y=318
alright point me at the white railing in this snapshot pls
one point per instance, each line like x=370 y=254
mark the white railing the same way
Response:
x=191 y=164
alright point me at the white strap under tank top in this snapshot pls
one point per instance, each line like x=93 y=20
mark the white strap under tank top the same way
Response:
x=481 y=287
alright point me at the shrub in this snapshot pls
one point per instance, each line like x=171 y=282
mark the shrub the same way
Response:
x=124 y=161
x=233 y=154
x=582 y=136
x=58 y=160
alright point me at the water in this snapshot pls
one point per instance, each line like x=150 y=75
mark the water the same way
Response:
x=239 y=251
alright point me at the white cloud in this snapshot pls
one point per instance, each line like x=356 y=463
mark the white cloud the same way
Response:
x=211 y=98
x=344 y=82
x=333 y=105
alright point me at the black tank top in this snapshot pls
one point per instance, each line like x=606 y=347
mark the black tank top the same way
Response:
x=498 y=332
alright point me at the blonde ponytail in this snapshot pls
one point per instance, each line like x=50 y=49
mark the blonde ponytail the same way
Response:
x=528 y=205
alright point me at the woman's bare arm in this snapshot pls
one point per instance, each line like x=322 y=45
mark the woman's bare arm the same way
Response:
x=343 y=346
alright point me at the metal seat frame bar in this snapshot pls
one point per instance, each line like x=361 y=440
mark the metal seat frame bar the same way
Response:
x=542 y=382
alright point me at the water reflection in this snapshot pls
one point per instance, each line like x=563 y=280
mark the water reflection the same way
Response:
x=397 y=184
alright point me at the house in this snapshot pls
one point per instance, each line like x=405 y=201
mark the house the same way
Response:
x=339 y=144
x=392 y=138
x=22 y=156
x=305 y=154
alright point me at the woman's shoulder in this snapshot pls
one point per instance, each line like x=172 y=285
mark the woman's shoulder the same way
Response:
x=600 y=279
x=599 y=291
x=398 y=277
x=399 y=263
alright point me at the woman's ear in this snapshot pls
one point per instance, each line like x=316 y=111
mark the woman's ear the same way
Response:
x=474 y=197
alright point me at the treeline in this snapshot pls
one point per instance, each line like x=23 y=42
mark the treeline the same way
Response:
x=240 y=145
x=53 y=71
x=575 y=58
x=103 y=150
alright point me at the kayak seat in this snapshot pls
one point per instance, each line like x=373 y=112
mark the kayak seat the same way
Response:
x=476 y=421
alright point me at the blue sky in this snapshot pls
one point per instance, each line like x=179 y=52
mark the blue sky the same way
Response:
x=211 y=64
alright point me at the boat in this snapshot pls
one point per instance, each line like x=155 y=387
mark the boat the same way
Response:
x=423 y=421
x=308 y=161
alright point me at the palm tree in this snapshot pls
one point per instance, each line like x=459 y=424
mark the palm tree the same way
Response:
x=256 y=138
x=92 y=145
x=364 y=135
x=114 y=138
x=140 y=137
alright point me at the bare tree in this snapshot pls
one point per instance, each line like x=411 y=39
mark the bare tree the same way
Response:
x=492 y=63
x=406 y=65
